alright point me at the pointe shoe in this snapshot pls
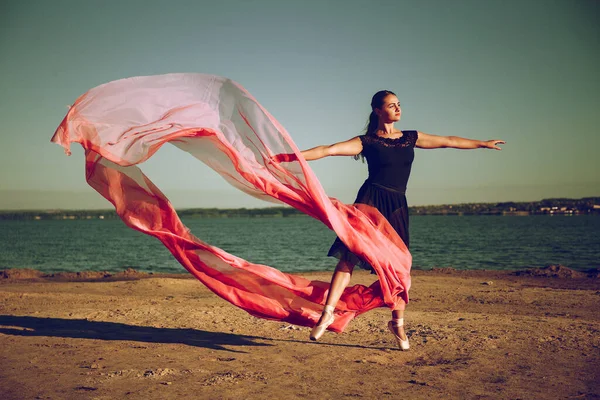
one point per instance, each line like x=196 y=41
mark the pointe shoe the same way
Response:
x=320 y=329
x=395 y=323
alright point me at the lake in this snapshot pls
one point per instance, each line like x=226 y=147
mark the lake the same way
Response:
x=299 y=244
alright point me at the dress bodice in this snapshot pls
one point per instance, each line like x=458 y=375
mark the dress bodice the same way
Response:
x=389 y=160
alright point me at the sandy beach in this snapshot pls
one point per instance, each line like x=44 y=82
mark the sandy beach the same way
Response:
x=474 y=335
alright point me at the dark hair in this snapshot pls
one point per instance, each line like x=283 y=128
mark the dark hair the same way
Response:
x=373 y=123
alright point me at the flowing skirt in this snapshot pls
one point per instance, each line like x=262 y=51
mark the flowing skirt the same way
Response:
x=123 y=123
x=392 y=204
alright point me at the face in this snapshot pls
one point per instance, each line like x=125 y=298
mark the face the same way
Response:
x=390 y=110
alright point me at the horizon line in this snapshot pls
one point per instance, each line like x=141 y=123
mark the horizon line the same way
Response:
x=287 y=206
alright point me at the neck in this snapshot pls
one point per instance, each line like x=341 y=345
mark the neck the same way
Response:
x=386 y=128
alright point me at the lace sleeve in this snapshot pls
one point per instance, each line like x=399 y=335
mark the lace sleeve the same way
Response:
x=412 y=137
x=364 y=141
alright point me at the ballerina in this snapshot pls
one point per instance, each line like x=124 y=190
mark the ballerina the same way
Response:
x=389 y=153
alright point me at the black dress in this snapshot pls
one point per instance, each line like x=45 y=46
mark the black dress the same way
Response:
x=389 y=162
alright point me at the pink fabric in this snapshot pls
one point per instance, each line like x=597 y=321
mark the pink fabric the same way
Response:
x=122 y=123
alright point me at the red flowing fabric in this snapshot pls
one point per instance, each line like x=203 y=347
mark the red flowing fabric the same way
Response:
x=123 y=123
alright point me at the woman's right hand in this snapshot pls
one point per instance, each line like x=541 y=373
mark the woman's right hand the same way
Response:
x=289 y=157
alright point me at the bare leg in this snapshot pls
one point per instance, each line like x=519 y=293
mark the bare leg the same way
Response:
x=339 y=281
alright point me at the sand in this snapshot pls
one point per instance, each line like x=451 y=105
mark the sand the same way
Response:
x=473 y=335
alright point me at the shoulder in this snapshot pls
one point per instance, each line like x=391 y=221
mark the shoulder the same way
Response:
x=367 y=140
x=354 y=140
x=411 y=137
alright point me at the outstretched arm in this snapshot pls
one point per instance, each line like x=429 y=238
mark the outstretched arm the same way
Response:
x=427 y=141
x=350 y=147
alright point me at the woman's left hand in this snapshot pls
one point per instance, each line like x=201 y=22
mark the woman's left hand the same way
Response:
x=493 y=144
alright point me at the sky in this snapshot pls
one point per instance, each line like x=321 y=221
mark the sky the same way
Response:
x=523 y=71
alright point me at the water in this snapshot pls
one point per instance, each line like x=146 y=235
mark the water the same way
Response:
x=301 y=243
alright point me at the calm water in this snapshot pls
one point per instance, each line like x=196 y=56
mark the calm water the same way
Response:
x=301 y=243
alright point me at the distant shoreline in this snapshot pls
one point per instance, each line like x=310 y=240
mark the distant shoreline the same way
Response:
x=562 y=206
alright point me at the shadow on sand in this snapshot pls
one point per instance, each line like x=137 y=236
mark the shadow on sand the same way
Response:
x=83 y=329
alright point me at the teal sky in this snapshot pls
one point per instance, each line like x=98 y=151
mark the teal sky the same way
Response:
x=521 y=71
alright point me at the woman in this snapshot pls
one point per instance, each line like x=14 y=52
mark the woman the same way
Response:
x=389 y=153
